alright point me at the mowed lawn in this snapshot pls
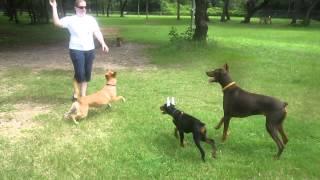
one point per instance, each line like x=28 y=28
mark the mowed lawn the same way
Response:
x=133 y=140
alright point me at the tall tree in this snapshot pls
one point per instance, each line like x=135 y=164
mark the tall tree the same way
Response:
x=122 y=7
x=11 y=10
x=109 y=7
x=147 y=9
x=192 y=13
x=178 y=9
x=302 y=9
x=201 y=20
x=138 y=9
x=295 y=11
x=306 y=20
x=225 y=11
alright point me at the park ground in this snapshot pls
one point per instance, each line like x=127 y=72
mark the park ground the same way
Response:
x=133 y=139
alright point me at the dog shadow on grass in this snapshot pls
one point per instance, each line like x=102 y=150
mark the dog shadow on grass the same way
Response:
x=92 y=114
x=169 y=147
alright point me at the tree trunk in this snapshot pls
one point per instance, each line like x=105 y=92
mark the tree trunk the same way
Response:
x=295 y=12
x=97 y=10
x=147 y=9
x=109 y=7
x=12 y=11
x=251 y=9
x=45 y=11
x=192 y=12
x=31 y=12
x=178 y=9
x=306 y=20
x=138 y=8
x=122 y=7
x=103 y=7
x=63 y=7
x=225 y=13
x=201 y=18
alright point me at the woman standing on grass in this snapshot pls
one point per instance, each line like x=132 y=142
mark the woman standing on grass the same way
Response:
x=82 y=28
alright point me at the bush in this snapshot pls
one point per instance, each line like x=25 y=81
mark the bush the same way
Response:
x=175 y=37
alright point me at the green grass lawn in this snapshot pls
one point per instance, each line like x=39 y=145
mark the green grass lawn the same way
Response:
x=134 y=140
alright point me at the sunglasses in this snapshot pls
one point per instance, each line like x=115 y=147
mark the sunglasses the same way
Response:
x=81 y=7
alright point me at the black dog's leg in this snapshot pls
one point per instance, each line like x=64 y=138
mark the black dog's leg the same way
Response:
x=273 y=133
x=226 y=121
x=214 y=149
x=208 y=141
x=282 y=115
x=175 y=133
x=283 y=134
x=181 y=138
x=219 y=124
x=196 y=138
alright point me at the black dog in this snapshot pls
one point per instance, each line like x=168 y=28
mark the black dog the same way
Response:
x=185 y=124
x=240 y=103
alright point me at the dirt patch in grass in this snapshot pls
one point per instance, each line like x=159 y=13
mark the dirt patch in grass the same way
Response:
x=14 y=123
x=56 y=56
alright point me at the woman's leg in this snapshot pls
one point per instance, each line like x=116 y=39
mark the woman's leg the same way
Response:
x=78 y=61
x=88 y=63
x=83 y=88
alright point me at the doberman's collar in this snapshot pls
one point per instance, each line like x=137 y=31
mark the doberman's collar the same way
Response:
x=180 y=115
x=110 y=84
x=229 y=85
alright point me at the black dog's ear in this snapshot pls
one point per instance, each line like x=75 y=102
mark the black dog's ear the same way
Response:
x=226 y=67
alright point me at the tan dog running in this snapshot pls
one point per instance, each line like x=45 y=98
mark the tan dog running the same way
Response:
x=79 y=109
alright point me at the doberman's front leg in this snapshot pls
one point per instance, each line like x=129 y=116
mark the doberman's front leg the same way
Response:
x=226 y=121
x=196 y=138
x=181 y=138
x=175 y=133
x=219 y=124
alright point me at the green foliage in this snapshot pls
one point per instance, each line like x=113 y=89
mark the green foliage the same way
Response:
x=171 y=8
x=186 y=36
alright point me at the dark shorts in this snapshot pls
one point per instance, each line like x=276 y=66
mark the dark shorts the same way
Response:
x=82 y=63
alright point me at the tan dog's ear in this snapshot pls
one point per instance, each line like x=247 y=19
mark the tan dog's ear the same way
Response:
x=107 y=74
x=114 y=74
x=226 y=67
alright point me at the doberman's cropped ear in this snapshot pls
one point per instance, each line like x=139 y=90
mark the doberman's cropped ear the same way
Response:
x=168 y=102
x=173 y=101
x=226 y=67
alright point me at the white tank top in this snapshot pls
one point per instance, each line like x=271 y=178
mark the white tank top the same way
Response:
x=81 y=31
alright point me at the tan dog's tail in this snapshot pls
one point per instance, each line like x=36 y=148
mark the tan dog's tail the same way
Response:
x=76 y=89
